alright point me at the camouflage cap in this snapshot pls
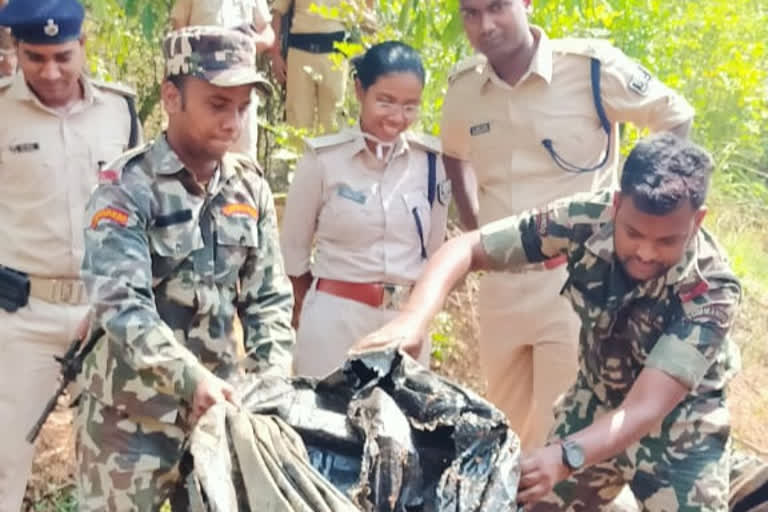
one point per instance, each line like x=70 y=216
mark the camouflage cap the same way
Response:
x=225 y=57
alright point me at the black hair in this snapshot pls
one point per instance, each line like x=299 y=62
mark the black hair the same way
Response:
x=664 y=170
x=179 y=82
x=387 y=57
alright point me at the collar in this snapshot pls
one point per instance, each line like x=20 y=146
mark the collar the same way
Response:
x=541 y=63
x=164 y=158
x=20 y=91
x=359 y=143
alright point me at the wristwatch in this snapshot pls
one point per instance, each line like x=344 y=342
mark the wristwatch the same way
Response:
x=573 y=454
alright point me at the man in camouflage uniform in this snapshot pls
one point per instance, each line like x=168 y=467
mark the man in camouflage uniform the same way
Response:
x=182 y=237
x=656 y=299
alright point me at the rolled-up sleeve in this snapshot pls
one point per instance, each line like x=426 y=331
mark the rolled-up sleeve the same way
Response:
x=302 y=208
x=692 y=344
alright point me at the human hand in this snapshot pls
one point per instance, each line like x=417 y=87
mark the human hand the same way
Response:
x=541 y=470
x=405 y=332
x=278 y=67
x=209 y=392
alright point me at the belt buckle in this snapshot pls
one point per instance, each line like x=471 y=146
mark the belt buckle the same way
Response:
x=393 y=296
x=314 y=48
x=66 y=292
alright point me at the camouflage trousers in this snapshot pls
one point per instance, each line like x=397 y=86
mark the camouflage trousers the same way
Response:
x=680 y=466
x=124 y=463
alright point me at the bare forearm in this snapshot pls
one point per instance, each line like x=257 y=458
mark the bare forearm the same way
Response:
x=464 y=187
x=650 y=400
x=276 y=29
x=455 y=259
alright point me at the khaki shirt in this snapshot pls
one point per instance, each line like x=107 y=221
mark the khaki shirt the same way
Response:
x=49 y=164
x=499 y=128
x=307 y=22
x=225 y=13
x=361 y=219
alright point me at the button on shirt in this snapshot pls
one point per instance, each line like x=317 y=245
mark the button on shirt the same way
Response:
x=49 y=164
x=168 y=265
x=499 y=128
x=361 y=219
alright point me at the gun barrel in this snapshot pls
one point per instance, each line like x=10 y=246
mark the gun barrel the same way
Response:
x=49 y=407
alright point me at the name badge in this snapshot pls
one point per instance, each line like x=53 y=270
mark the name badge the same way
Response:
x=480 y=129
x=347 y=192
x=27 y=147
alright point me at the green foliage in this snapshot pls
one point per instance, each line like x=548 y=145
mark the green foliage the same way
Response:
x=62 y=500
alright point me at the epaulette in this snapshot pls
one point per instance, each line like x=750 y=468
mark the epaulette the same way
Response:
x=473 y=63
x=327 y=141
x=113 y=171
x=600 y=49
x=425 y=142
x=117 y=88
x=242 y=163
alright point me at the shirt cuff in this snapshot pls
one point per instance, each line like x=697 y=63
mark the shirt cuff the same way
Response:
x=679 y=360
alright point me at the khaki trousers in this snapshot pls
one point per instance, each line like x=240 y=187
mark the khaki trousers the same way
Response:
x=29 y=338
x=528 y=348
x=314 y=82
x=329 y=326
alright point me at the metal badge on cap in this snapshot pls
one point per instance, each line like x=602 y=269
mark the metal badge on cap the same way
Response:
x=51 y=28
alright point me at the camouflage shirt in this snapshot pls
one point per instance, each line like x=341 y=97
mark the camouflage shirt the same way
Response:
x=677 y=323
x=168 y=265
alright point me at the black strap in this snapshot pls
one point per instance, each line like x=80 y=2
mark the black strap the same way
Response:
x=431 y=177
x=597 y=97
x=133 y=138
x=420 y=229
x=595 y=66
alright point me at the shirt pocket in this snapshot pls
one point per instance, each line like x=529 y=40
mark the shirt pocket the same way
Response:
x=489 y=149
x=173 y=242
x=236 y=236
x=349 y=214
x=572 y=146
x=419 y=217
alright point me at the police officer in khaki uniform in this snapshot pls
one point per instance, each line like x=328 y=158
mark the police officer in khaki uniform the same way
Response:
x=57 y=129
x=373 y=202
x=231 y=13
x=315 y=85
x=7 y=51
x=526 y=121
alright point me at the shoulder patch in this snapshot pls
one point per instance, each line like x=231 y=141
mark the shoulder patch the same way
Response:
x=115 y=87
x=113 y=171
x=327 y=141
x=425 y=142
x=473 y=63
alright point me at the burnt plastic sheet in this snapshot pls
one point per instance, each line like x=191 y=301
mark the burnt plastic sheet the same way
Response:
x=397 y=437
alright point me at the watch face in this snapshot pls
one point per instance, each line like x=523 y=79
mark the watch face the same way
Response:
x=574 y=455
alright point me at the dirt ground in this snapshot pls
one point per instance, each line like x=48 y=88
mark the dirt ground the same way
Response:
x=52 y=471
